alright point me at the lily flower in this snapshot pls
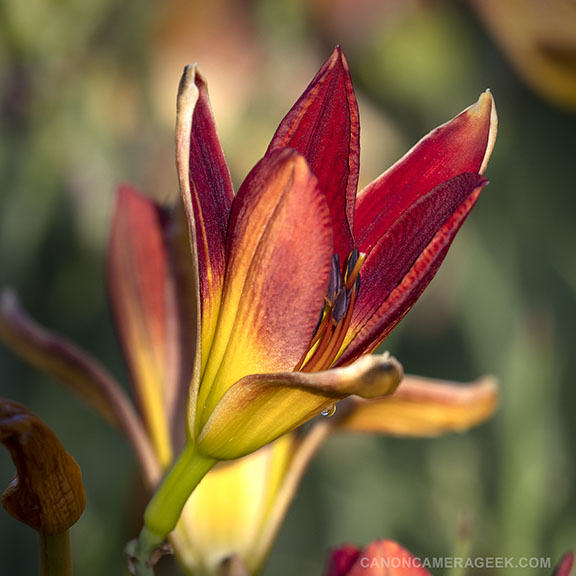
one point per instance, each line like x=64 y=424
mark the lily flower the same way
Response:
x=299 y=241
x=383 y=557
x=243 y=316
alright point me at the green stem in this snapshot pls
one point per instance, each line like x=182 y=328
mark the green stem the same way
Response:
x=55 y=559
x=163 y=511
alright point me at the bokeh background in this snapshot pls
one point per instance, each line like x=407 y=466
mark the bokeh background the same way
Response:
x=87 y=100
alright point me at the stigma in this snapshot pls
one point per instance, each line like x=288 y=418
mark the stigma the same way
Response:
x=343 y=286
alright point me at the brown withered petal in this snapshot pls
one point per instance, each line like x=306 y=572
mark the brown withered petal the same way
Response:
x=47 y=492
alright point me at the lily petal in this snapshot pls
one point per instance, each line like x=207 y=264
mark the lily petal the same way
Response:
x=423 y=407
x=59 y=358
x=47 y=493
x=384 y=558
x=143 y=303
x=228 y=511
x=405 y=260
x=262 y=407
x=208 y=200
x=324 y=127
x=279 y=250
x=463 y=144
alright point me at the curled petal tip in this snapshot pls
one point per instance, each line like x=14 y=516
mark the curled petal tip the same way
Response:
x=187 y=80
x=185 y=104
x=380 y=375
x=486 y=107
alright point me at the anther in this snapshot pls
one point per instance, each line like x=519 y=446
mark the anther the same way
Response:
x=336 y=315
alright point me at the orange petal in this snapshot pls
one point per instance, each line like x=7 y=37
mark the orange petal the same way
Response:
x=47 y=493
x=143 y=303
x=279 y=251
x=423 y=407
x=260 y=408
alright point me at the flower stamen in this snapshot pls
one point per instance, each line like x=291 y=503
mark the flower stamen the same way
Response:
x=325 y=346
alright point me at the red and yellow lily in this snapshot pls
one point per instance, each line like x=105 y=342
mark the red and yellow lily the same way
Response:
x=297 y=243
x=300 y=277
x=258 y=311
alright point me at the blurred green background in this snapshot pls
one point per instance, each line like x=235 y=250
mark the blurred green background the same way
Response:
x=87 y=99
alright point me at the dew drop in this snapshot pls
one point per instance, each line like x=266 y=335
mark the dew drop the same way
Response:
x=329 y=411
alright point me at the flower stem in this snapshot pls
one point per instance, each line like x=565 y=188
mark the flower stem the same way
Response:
x=163 y=511
x=55 y=559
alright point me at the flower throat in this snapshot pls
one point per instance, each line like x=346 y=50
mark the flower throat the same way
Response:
x=343 y=287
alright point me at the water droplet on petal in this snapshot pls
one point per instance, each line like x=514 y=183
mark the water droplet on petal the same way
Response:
x=329 y=411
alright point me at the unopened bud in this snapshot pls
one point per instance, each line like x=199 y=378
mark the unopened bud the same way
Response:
x=47 y=492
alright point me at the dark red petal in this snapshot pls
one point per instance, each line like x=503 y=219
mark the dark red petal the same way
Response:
x=324 y=127
x=462 y=145
x=341 y=560
x=406 y=259
x=212 y=194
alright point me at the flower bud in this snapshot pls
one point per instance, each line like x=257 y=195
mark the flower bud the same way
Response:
x=47 y=492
